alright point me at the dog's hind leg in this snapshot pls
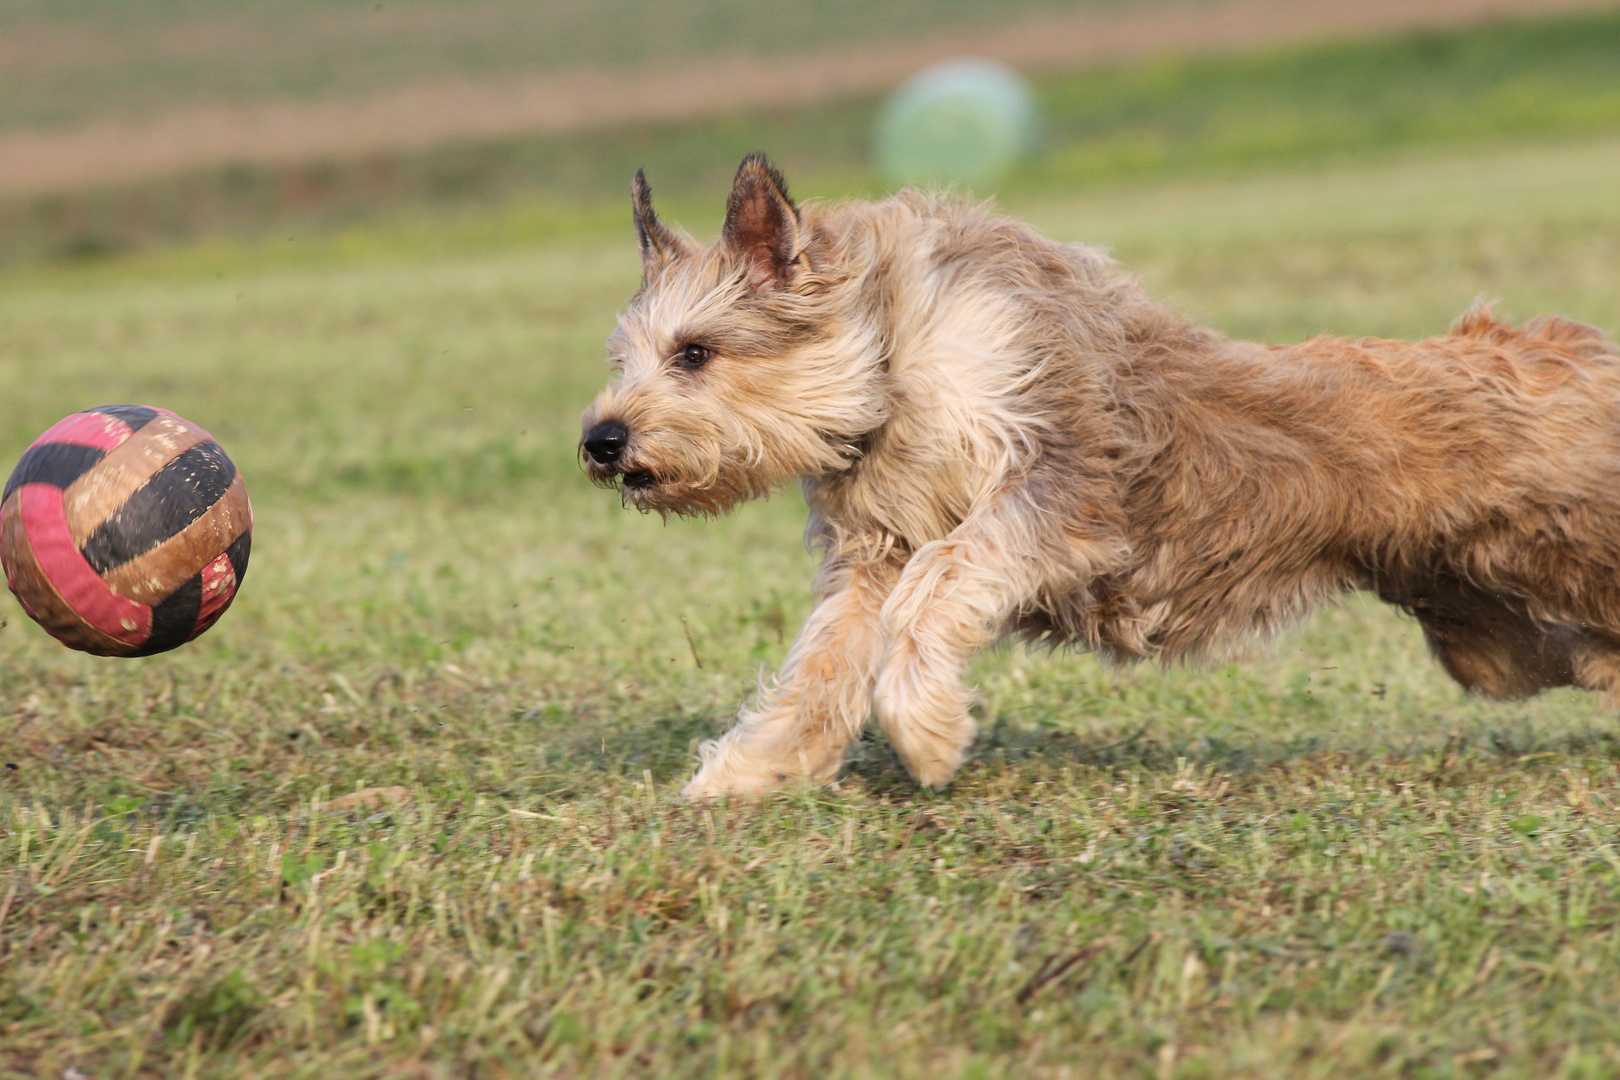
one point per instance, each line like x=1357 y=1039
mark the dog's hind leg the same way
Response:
x=818 y=702
x=1490 y=644
x=1597 y=667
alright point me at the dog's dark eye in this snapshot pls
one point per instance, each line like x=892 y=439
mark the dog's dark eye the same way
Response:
x=693 y=356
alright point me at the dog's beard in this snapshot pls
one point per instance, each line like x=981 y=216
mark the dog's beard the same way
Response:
x=665 y=490
x=632 y=481
x=637 y=481
x=648 y=488
x=644 y=489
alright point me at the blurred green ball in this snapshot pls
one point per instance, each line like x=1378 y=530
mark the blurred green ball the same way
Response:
x=965 y=122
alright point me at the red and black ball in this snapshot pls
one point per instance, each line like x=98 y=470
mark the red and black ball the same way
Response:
x=125 y=530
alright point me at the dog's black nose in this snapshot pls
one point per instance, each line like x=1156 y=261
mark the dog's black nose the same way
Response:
x=605 y=442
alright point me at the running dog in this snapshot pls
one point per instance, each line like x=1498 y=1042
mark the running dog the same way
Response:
x=998 y=434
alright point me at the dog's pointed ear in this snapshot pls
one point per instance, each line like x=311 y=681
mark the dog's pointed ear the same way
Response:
x=762 y=225
x=659 y=244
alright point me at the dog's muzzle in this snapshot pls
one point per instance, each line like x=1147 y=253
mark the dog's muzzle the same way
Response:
x=605 y=445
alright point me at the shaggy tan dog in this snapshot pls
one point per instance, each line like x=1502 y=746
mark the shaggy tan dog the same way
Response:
x=999 y=434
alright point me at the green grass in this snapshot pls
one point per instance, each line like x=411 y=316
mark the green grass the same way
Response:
x=1322 y=861
x=1545 y=82
x=1539 y=80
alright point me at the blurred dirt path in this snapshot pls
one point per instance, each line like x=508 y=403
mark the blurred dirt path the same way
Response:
x=418 y=117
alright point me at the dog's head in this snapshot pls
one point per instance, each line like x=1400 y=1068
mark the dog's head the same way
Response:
x=736 y=367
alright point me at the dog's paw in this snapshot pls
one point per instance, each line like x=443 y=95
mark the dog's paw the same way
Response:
x=709 y=789
x=933 y=771
x=924 y=712
x=725 y=773
x=933 y=761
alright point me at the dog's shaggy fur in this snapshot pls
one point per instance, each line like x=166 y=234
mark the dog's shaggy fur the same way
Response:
x=1001 y=434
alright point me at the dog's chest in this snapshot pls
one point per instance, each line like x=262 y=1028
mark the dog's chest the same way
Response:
x=894 y=494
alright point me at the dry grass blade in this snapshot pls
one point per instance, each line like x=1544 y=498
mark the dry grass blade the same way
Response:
x=1052 y=970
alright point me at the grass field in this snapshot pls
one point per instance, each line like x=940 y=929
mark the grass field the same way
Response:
x=1323 y=861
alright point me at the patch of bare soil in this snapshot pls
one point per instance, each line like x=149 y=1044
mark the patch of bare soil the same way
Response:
x=426 y=115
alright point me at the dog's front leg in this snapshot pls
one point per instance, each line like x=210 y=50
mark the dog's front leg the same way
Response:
x=954 y=597
x=818 y=701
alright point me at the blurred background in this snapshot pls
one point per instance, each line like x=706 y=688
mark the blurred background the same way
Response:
x=140 y=121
